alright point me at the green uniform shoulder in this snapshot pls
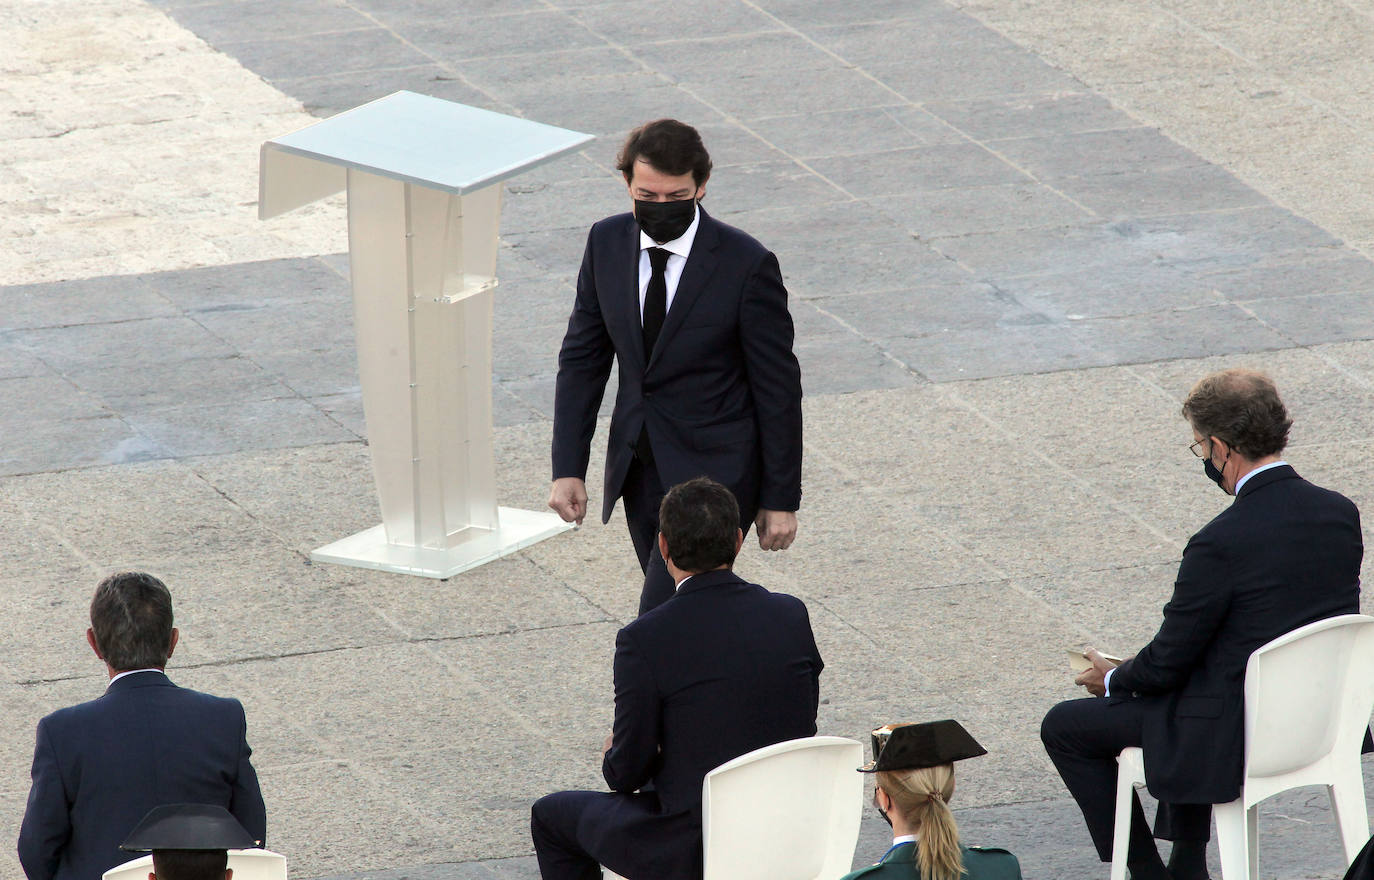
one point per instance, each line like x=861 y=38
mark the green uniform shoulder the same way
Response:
x=862 y=872
x=990 y=863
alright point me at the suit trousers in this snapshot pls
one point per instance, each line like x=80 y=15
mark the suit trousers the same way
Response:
x=576 y=832
x=642 y=494
x=1083 y=738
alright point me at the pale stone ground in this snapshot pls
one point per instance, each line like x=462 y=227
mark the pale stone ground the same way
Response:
x=1277 y=92
x=129 y=145
x=956 y=534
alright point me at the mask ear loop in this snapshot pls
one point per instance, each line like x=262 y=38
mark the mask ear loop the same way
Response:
x=1225 y=461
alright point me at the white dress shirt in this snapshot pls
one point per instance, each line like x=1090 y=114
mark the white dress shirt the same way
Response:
x=677 y=249
x=1263 y=467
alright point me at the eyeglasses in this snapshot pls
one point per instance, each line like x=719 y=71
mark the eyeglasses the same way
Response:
x=1193 y=447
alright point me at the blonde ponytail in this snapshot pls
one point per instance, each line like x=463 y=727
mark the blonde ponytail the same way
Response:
x=922 y=797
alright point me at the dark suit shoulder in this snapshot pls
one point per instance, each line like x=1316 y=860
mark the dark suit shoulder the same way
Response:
x=616 y=224
x=81 y=713
x=1280 y=488
x=737 y=238
x=696 y=596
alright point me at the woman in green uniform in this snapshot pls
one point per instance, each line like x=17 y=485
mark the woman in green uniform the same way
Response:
x=914 y=767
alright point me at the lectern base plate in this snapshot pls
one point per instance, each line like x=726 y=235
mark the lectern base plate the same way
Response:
x=370 y=549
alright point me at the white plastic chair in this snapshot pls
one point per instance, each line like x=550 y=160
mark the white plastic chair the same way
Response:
x=248 y=864
x=1308 y=698
x=789 y=811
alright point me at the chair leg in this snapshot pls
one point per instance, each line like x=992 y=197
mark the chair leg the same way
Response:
x=1252 y=834
x=1126 y=778
x=1233 y=840
x=1352 y=817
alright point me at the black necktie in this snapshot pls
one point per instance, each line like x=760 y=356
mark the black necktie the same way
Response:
x=655 y=300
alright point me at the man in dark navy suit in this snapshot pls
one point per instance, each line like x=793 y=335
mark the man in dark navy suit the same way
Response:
x=1284 y=554
x=695 y=313
x=100 y=767
x=724 y=668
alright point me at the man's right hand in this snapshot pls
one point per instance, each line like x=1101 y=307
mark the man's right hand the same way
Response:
x=568 y=498
x=1094 y=676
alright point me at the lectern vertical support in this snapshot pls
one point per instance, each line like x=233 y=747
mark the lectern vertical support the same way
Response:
x=422 y=239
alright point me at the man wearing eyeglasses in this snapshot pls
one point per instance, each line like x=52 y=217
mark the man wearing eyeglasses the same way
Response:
x=1284 y=554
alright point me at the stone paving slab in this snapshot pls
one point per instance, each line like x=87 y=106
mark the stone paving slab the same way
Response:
x=461 y=650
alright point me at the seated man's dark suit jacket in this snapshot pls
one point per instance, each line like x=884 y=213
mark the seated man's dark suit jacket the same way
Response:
x=1284 y=554
x=721 y=395
x=99 y=767
x=721 y=669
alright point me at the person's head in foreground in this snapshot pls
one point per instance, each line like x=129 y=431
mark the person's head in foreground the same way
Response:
x=189 y=841
x=698 y=528
x=131 y=622
x=914 y=775
x=666 y=167
x=1239 y=423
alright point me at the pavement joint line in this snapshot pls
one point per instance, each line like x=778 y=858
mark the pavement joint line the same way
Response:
x=225 y=45
x=245 y=512
x=730 y=118
x=336 y=74
x=549 y=572
x=458 y=75
x=1253 y=65
x=1069 y=476
x=887 y=355
x=828 y=51
x=337 y=649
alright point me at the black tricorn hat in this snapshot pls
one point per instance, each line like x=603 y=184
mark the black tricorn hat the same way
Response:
x=188 y=826
x=913 y=746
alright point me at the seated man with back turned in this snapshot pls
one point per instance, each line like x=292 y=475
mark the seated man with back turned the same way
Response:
x=1284 y=554
x=720 y=669
x=99 y=767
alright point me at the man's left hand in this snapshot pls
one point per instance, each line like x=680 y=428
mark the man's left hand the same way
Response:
x=777 y=529
x=1094 y=676
x=606 y=746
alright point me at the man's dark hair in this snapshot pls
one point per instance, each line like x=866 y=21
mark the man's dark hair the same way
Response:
x=699 y=519
x=1241 y=408
x=131 y=615
x=190 y=864
x=670 y=146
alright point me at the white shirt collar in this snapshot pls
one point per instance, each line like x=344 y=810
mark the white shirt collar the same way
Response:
x=682 y=245
x=904 y=838
x=681 y=582
x=1261 y=468
x=133 y=672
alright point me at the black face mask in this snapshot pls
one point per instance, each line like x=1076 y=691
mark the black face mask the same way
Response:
x=665 y=221
x=1214 y=473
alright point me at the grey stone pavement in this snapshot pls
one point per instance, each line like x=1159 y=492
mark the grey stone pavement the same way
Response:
x=1014 y=234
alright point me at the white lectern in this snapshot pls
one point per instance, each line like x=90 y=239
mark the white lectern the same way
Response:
x=424 y=206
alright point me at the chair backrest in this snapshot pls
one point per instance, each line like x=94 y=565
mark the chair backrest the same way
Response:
x=788 y=811
x=248 y=864
x=1309 y=693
